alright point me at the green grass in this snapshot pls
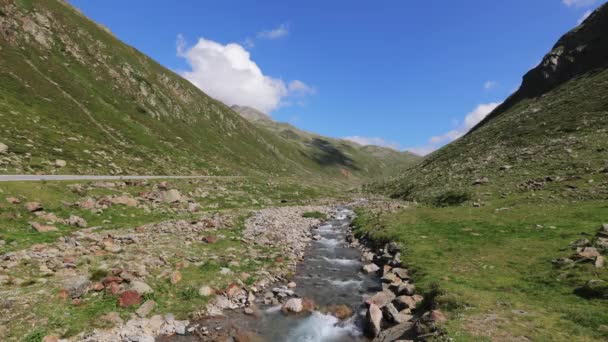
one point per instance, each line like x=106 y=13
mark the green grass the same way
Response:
x=315 y=214
x=494 y=267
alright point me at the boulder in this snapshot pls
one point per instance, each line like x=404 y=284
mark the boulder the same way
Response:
x=341 y=311
x=599 y=261
x=146 y=308
x=381 y=298
x=176 y=277
x=42 y=228
x=13 y=200
x=291 y=285
x=480 y=181
x=129 y=298
x=293 y=305
x=371 y=268
x=405 y=302
x=3 y=148
x=401 y=332
x=76 y=286
x=206 y=291
x=141 y=287
x=406 y=289
x=401 y=273
x=60 y=163
x=77 y=221
x=33 y=206
x=587 y=253
x=170 y=196
x=373 y=321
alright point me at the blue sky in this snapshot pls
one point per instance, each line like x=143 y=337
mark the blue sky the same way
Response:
x=408 y=74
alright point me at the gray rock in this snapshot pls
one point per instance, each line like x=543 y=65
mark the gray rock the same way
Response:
x=171 y=196
x=145 y=309
x=371 y=268
x=77 y=221
x=403 y=331
x=77 y=286
x=3 y=148
x=205 y=291
x=293 y=305
x=141 y=287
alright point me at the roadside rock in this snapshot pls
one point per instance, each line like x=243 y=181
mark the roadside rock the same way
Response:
x=170 y=196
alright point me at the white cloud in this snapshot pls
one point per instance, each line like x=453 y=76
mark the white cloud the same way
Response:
x=365 y=141
x=227 y=73
x=470 y=120
x=298 y=87
x=490 y=85
x=585 y=16
x=578 y=3
x=276 y=33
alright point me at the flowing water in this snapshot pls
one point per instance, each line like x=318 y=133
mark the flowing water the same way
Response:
x=329 y=275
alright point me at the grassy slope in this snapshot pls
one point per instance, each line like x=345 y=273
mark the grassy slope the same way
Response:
x=491 y=255
x=495 y=267
x=70 y=90
x=363 y=161
x=554 y=125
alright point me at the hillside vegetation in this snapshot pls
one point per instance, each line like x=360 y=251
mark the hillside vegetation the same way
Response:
x=371 y=161
x=551 y=134
x=75 y=99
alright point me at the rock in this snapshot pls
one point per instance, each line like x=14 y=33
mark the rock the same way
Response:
x=77 y=221
x=292 y=285
x=141 y=287
x=145 y=309
x=60 y=163
x=603 y=230
x=293 y=305
x=382 y=298
x=50 y=338
x=42 y=228
x=341 y=311
x=580 y=243
x=249 y=311
x=480 y=181
x=505 y=167
x=602 y=243
x=390 y=278
x=308 y=305
x=371 y=268
x=406 y=289
x=561 y=262
x=404 y=302
x=176 y=277
x=112 y=317
x=3 y=148
x=401 y=273
x=206 y=291
x=437 y=316
x=126 y=200
x=129 y=298
x=13 y=200
x=373 y=320
x=210 y=239
x=33 y=206
x=599 y=261
x=234 y=291
x=170 y=196
x=587 y=253
x=76 y=286
x=194 y=207
x=401 y=332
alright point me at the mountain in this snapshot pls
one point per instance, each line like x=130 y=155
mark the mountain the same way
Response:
x=549 y=135
x=364 y=161
x=76 y=100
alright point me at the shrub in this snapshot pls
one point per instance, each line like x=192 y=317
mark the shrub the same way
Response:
x=451 y=198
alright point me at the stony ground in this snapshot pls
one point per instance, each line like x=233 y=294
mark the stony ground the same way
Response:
x=133 y=260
